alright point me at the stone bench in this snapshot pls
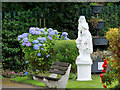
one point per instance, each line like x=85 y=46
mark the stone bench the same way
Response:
x=55 y=69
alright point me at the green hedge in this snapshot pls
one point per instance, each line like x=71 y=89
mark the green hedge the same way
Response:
x=12 y=56
x=66 y=51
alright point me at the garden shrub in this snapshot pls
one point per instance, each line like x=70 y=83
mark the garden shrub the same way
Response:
x=112 y=65
x=38 y=47
x=12 y=56
x=66 y=51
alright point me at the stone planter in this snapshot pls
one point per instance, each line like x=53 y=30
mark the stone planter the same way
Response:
x=100 y=41
x=96 y=8
x=100 y=25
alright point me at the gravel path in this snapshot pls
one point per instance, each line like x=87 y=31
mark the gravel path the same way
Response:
x=6 y=83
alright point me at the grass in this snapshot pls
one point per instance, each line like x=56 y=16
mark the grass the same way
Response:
x=28 y=81
x=95 y=83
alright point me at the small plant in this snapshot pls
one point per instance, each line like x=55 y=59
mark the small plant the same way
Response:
x=99 y=3
x=100 y=54
x=94 y=4
x=94 y=21
x=11 y=74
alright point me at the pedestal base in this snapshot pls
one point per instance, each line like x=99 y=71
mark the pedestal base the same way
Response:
x=84 y=70
x=84 y=79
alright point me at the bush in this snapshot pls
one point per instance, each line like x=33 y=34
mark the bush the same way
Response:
x=66 y=52
x=12 y=56
x=112 y=66
x=38 y=46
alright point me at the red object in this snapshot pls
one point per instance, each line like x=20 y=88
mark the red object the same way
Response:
x=104 y=66
x=112 y=61
x=76 y=13
x=105 y=59
x=103 y=71
x=101 y=75
x=104 y=86
x=105 y=62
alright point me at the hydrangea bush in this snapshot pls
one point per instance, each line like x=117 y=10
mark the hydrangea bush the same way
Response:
x=38 y=46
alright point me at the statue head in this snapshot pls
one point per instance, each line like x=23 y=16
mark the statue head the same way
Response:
x=82 y=19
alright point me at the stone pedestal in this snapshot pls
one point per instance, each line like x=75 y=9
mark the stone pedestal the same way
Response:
x=83 y=70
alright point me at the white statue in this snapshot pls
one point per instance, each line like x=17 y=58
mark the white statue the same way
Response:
x=84 y=44
x=84 y=40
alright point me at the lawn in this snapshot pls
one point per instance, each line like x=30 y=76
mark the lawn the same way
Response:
x=28 y=81
x=95 y=83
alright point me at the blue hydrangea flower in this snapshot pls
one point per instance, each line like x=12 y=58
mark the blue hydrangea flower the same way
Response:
x=26 y=73
x=48 y=55
x=36 y=47
x=33 y=32
x=28 y=44
x=42 y=30
x=37 y=29
x=56 y=31
x=39 y=44
x=19 y=37
x=23 y=43
x=25 y=34
x=25 y=40
x=44 y=39
x=67 y=38
x=50 y=29
x=36 y=70
x=39 y=38
x=35 y=41
x=26 y=62
x=49 y=37
x=32 y=29
x=42 y=48
x=45 y=33
x=39 y=54
x=38 y=33
x=51 y=33
x=64 y=34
